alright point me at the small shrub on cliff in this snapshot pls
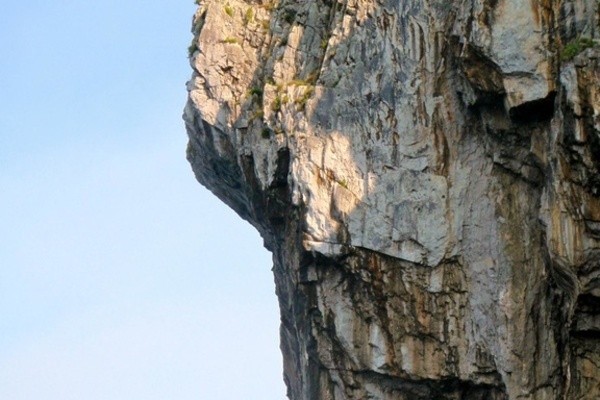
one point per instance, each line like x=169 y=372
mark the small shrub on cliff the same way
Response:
x=192 y=48
x=265 y=24
x=575 y=47
x=228 y=10
x=276 y=106
x=256 y=91
x=249 y=16
x=265 y=133
x=230 y=40
x=289 y=16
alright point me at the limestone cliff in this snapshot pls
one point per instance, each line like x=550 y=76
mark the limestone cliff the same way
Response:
x=427 y=176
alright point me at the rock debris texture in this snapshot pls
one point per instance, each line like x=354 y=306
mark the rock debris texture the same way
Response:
x=426 y=175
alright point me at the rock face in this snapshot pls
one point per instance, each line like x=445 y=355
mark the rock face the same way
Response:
x=427 y=176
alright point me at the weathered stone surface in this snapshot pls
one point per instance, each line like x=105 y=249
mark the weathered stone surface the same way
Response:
x=427 y=176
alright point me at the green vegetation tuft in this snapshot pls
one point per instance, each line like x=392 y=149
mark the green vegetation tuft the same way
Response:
x=258 y=114
x=249 y=16
x=574 y=47
x=256 y=91
x=301 y=101
x=310 y=80
x=230 y=40
x=324 y=43
x=192 y=48
x=228 y=10
x=265 y=133
x=276 y=106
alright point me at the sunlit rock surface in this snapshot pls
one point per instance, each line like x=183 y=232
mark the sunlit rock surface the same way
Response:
x=426 y=174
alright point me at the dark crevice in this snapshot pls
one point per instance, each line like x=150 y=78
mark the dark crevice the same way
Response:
x=587 y=334
x=444 y=389
x=534 y=111
x=588 y=303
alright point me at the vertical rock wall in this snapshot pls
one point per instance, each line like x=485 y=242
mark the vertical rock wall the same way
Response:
x=426 y=174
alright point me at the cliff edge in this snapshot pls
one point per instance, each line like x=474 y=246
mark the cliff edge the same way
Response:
x=427 y=176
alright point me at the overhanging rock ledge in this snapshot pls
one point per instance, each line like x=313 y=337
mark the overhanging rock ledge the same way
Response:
x=427 y=176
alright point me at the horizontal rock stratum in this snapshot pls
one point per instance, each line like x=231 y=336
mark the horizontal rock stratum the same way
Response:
x=426 y=174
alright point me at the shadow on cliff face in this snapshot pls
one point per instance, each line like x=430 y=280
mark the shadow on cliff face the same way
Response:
x=401 y=200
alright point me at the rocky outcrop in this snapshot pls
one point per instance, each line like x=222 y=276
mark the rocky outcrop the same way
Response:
x=427 y=176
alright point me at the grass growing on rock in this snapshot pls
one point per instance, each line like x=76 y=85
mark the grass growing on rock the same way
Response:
x=276 y=106
x=574 y=47
x=249 y=16
x=228 y=10
x=256 y=91
x=301 y=101
x=230 y=40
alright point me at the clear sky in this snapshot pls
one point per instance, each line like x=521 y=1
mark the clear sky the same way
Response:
x=121 y=278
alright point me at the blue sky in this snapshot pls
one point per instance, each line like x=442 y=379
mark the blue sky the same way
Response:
x=120 y=276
